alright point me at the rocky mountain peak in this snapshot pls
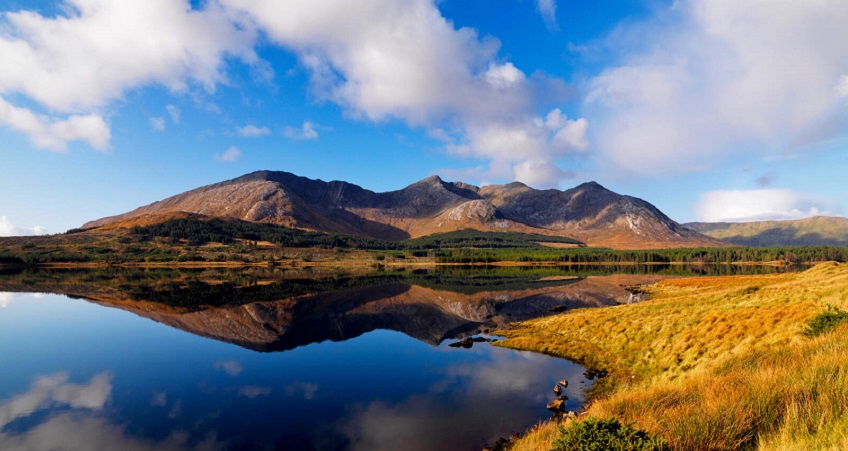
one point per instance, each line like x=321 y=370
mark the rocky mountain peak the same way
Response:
x=590 y=186
x=588 y=212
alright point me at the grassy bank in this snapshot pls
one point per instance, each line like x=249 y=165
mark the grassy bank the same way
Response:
x=714 y=363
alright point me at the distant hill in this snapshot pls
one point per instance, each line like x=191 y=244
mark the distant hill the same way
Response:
x=816 y=231
x=588 y=213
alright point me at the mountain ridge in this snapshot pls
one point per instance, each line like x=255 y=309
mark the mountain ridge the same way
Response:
x=588 y=212
x=813 y=231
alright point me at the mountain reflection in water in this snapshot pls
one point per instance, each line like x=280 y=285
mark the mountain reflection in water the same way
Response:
x=267 y=310
x=80 y=376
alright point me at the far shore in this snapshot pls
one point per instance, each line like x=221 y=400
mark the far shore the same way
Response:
x=362 y=263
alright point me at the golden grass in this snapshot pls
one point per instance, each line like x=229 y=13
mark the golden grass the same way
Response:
x=539 y=437
x=719 y=362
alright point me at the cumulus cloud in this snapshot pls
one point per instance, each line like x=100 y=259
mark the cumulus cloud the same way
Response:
x=252 y=131
x=7 y=228
x=707 y=77
x=755 y=205
x=157 y=123
x=524 y=150
x=380 y=60
x=547 y=8
x=390 y=59
x=306 y=132
x=230 y=155
x=45 y=132
x=123 y=45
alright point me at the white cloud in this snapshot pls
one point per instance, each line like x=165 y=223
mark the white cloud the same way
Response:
x=755 y=205
x=228 y=156
x=83 y=59
x=174 y=112
x=503 y=75
x=379 y=60
x=51 y=133
x=547 y=8
x=525 y=150
x=251 y=131
x=842 y=87
x=392 y=59
x=157 y=123
x=231 y=367
x=568 y=134
x=707 y=77
x=7 y=228
x=304 y=133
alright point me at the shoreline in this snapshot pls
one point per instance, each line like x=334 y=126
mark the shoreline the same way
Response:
x=378 y=264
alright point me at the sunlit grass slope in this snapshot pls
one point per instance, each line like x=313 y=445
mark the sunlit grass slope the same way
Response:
x=713 y=362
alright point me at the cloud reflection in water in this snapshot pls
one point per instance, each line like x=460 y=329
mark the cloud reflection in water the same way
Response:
x=519 y=383
x=72 y=422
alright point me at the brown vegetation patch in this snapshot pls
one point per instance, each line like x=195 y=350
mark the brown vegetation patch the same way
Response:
x=715 y=362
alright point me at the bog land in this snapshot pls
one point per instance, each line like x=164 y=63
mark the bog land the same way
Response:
x=738 y=362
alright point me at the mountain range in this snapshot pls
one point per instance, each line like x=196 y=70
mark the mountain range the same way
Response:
x=588 y=213
x=815 y=231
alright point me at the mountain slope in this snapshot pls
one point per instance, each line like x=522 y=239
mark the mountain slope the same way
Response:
x=589 y=212
x=815 y=231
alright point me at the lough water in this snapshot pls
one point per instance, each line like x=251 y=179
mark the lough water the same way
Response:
x=272 y=360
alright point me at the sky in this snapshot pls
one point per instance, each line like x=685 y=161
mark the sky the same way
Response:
x=712 y=110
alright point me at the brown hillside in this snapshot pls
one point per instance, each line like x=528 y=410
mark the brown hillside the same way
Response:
x=589 y=212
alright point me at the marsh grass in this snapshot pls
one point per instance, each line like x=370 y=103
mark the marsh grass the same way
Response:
x=825 y=321
x=716 y=363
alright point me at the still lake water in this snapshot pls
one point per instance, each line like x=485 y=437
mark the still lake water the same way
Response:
x=138 y=360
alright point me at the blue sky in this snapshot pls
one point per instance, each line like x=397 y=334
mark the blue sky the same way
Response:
x=710 y=109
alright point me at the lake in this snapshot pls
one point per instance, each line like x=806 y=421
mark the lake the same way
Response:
x=265 y=358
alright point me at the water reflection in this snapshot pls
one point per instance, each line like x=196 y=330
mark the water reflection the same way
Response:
x=273 y=311
x=362 y=361
x=55 y=392
x=57 y=414
x=73 y=432
x=486 y=399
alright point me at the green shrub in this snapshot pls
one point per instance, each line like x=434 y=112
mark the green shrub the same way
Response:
x=601 y=435
x=825 y=321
